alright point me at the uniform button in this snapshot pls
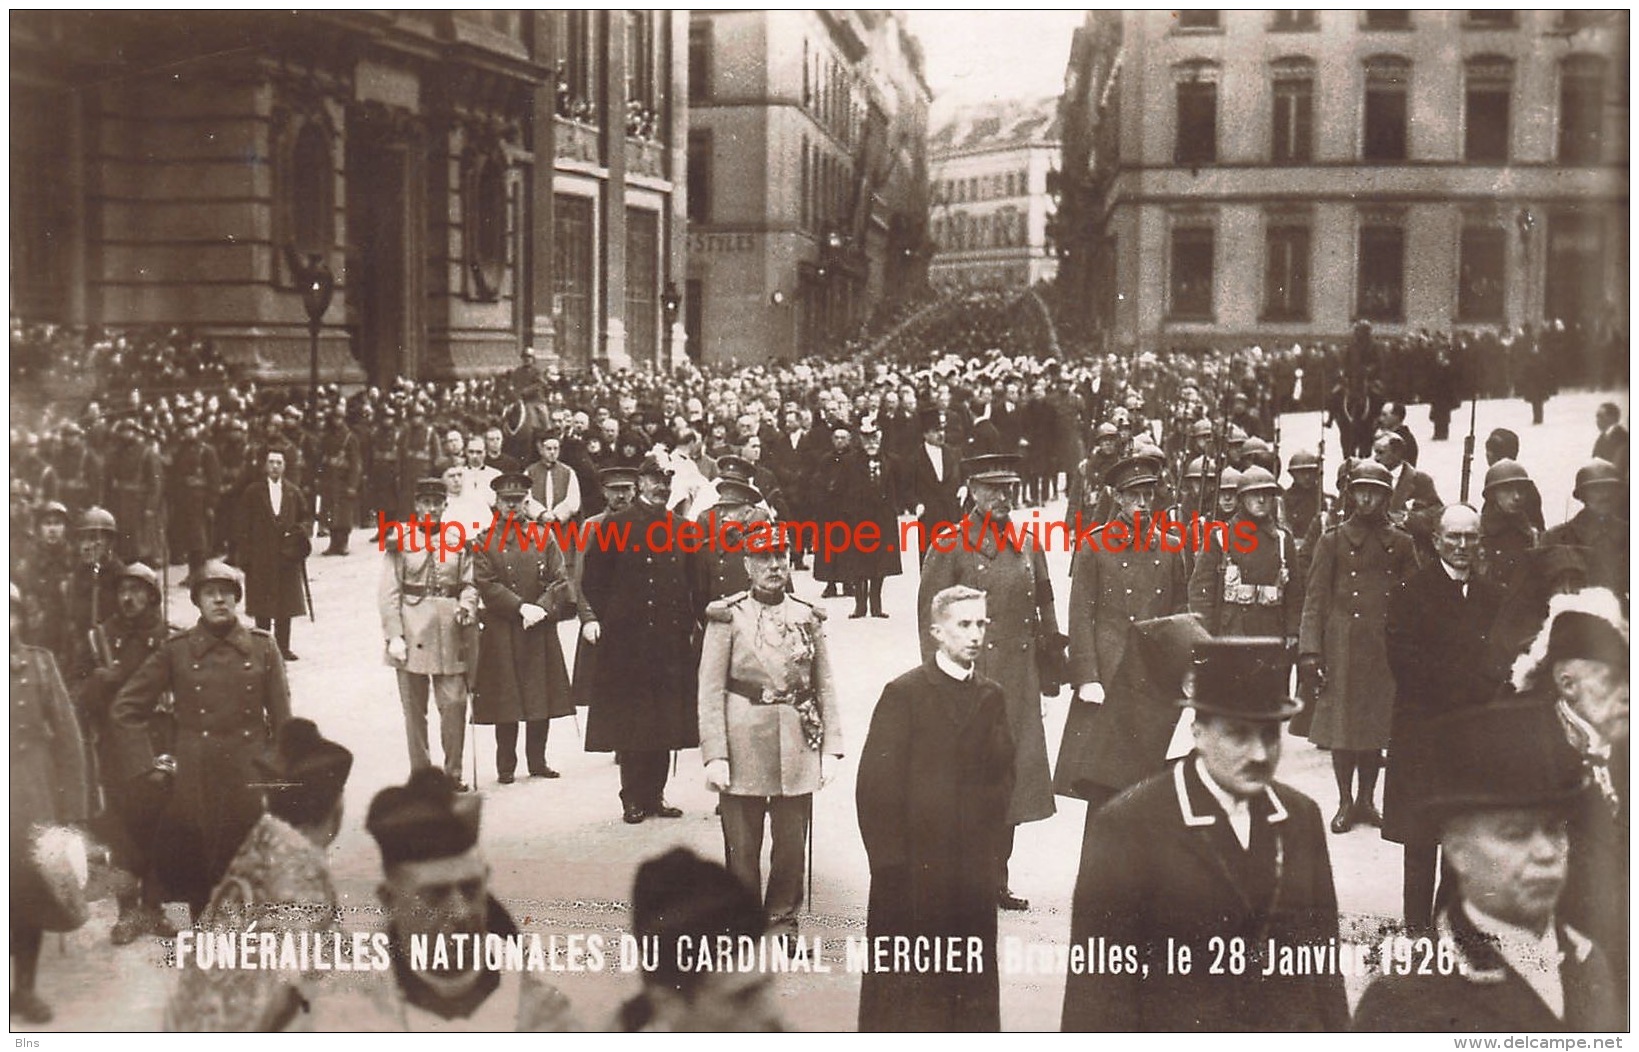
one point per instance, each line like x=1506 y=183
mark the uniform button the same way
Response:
x=1129 y=591
x=204 y=734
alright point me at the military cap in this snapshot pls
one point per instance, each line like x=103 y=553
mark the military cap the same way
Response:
x=430 y=487
x=1304 y=460
x=1256 y=480
x=1505 y=473
x=1371 y=473
x=1137 y=470
x=1242 y=677
x=993 y=468
x=53 y=508
x=426 y=818
x=515 y=482
x=1596 y=473
x=1512 y=753
x=304 y=774
x=216 y=570
x=617 y=475
x=732 y=466
x=97 y=520
x=653 y=465
x=1229 y=478
x=738 y=490
x=141 y=572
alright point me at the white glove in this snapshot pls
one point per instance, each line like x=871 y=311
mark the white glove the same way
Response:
x=591 y=631
x=531 y=614
x=828 y=772
x=1091 y=692
x=717 y=776
x=397 y=649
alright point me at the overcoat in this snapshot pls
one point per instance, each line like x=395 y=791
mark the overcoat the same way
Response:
x=1438 y=649
x=1605 y=544
x=1020 y=605
x=1482 y=994
x=340 y=468
x=1356 y=567
x=419 y=594
x=195 y=480
x=872 y=493
x=136 y=493
x=49 y=782
x=270 y=549
x=645 y=692
x=230 y=699
x=521 y=673
x=827 y=492
x=1160 y=862
x=935 y=776
x=582 y=683
x=1597 y=897
x=777 y=647
x=1110 y=589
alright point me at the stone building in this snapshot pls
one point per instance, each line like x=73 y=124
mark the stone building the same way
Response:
x=990 y=168
x=1277 y=175
x=476 y=181
x=807 y=177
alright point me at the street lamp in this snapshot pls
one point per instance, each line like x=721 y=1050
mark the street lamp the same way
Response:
x=671 y=302
x=318 y=286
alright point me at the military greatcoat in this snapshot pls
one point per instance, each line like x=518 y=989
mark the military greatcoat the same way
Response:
x=49 y=784
x=1357 y=566
x=230 y=699
x=521 y=672
x=1020 y=604
x=1113 y=585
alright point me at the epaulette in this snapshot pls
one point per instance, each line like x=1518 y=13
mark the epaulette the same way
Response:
x=814 y=609
x=720 y=610
x=176 y=634
x=262 y=632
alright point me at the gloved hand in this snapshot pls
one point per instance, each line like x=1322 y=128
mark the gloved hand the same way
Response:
x=829 y=771
x=1091 y=692
x=717 y=776
x=591 y=631
x=463 y=617
x=1311 y=676
x=531 y=615
x=397 y=649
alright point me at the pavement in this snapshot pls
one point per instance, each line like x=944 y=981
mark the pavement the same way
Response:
x=563 y=862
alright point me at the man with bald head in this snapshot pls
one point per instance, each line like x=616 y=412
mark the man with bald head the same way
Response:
x=1439 y=628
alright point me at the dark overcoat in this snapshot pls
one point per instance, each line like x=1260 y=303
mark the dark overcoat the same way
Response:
x=1597 y=897
x=1605 y=545
x=935 y=777
x=271 y=548
x=644 y=696
x=49 y=783
x=873 y=493
x=827 y=492
x=521 y=673
x=1160 y=862
x=1438 y=649
x=582 y=688
x=195 y=479
x=230 y=699
x=1355 y=569
x=1019 y=598
x=1112 y=589
x=1484 y=995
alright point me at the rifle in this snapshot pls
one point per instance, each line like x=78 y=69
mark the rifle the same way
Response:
x=1320 y=457
x=1468 y=447
x=307 y=593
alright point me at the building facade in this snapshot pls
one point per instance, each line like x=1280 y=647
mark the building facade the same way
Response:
x=990 y=168
x=1278 y=175
x=807 y=177
x=475 y=182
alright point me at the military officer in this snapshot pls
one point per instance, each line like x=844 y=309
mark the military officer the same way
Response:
x=1343 y=651
x=521 y=675
x=770 y=729
x=1242 y=584
x=428 y=602
x=619 y=485
x=228 y=682
x=1019 y=593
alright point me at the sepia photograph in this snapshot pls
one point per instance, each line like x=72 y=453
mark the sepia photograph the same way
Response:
x=739 y=520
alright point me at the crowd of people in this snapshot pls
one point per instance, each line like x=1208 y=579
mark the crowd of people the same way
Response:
x=1375 y=596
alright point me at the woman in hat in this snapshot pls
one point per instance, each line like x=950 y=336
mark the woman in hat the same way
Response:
x=279 y=883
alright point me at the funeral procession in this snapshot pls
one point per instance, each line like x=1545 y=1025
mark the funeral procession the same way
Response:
x=821 y=520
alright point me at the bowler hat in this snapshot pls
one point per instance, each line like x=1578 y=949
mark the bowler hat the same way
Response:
x=993 y=467
x=1244 y=677
x=1511 y=753
x=1133 y=471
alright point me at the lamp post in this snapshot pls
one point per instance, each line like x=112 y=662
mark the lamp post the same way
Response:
x=318 y=286
x=671 y=301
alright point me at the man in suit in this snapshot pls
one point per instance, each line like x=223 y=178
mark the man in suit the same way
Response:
x=1414 y=504
x=1501 y=799
x=1438 y=634
x=934 y=482
x=1612 y=443
x=1216 y=856
x=1392 y=418
x=271 y=546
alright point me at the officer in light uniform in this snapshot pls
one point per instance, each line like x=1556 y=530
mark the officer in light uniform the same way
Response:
x=428 y=602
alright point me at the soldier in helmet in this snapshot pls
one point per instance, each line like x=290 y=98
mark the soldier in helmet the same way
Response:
x=90 y=592
x=228 y=682
x=1343 y=658
x=340 y=467
x=124 y=642
x=1087 y=496
x=1229 y=486
x=1506 y=533
x=195 y=481
x=136 y=491
x=1600 y=529
x=1244 y=582
x=47 y=562
x=79 y=469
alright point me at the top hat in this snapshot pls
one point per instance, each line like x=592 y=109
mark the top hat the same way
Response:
x=515 y=482
x=1136 y=470
x=1242 y=677
x=423 y=819
x=993 y=467
x=1511 y=753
